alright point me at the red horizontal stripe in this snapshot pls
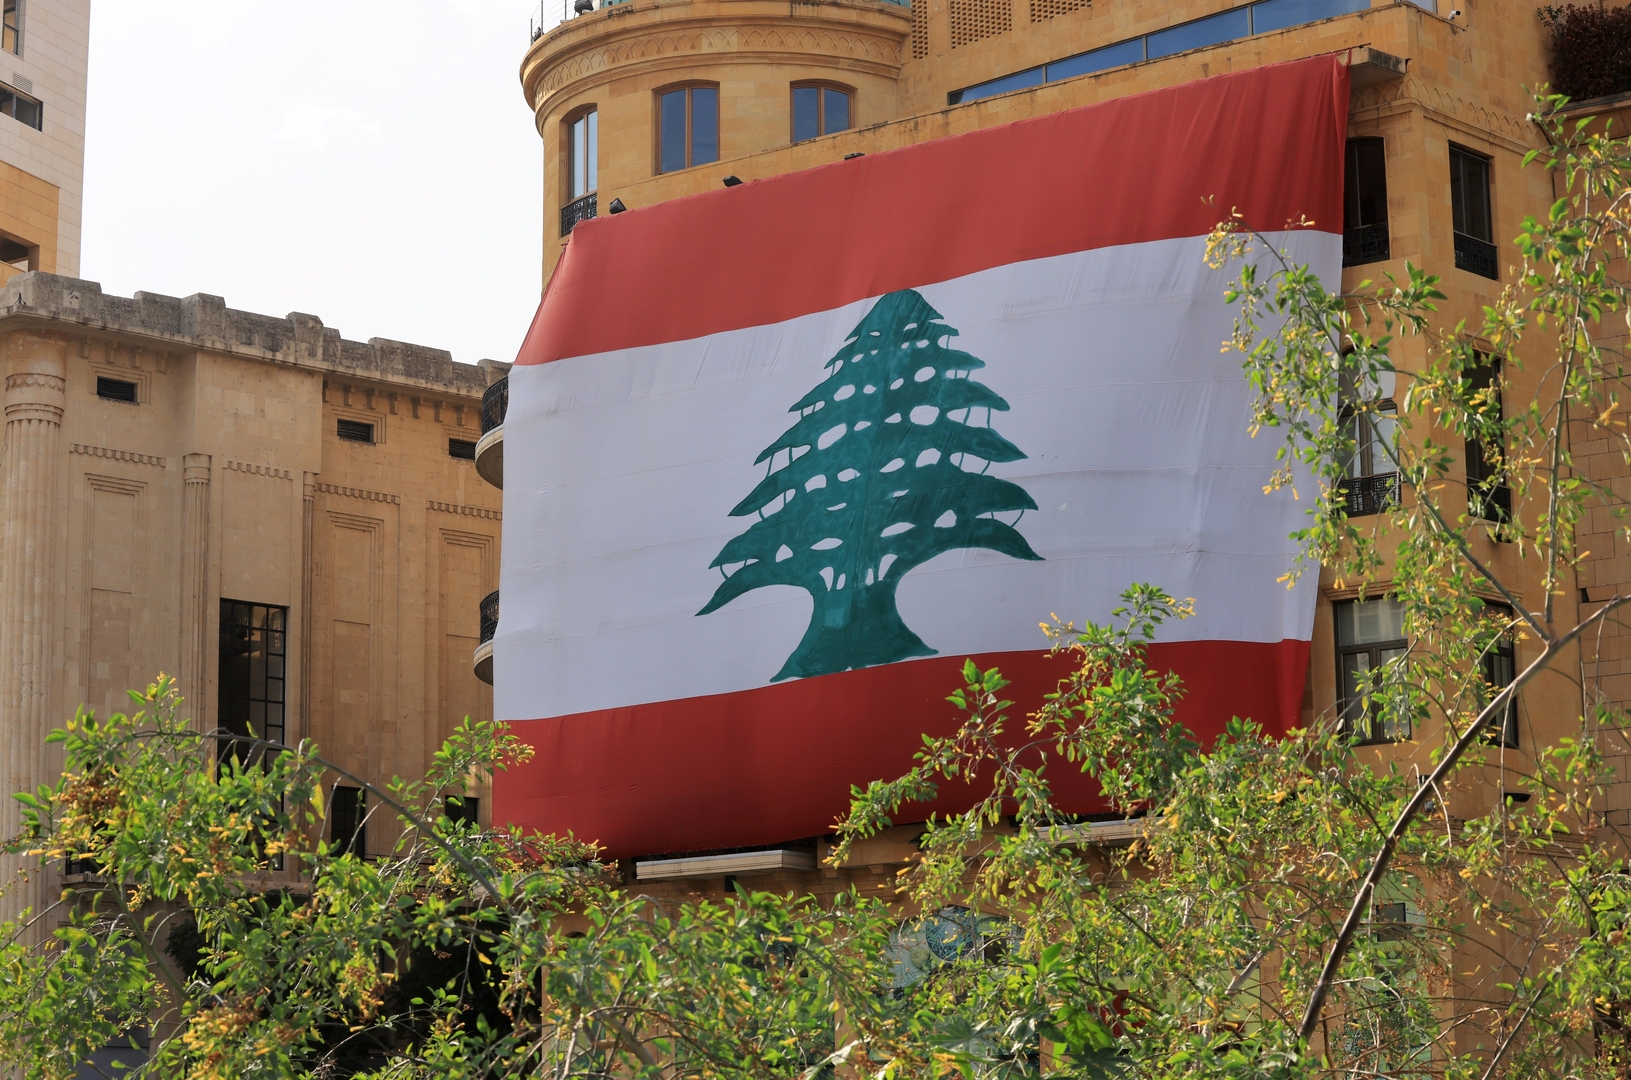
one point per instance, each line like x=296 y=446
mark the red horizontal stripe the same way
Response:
x=776 y=763
x=1153 y=166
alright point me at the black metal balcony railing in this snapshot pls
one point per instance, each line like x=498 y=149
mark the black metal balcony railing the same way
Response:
x=489 y=616
x=495 y=402
x=577 y=210
x=1365 y=244
x=1492 y=503
x=1475 y=256
x=1370 y=494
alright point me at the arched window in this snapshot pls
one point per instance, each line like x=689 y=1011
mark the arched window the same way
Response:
x=821 y=109
x=687 y=127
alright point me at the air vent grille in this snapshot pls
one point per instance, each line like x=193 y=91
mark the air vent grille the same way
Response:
x=975 y=20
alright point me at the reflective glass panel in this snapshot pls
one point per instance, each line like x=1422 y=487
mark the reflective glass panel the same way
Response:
x=671 y=136
x=834 y=111
x=704 y=125
x=1126 y=52
x=1279 y=14
x=1364 y=622
x=806 y=106
x=1213 y=30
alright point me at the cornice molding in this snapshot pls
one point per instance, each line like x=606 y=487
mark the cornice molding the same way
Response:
x=115 y=455
x=358 y=493
x=260 y=470
x=467 y=511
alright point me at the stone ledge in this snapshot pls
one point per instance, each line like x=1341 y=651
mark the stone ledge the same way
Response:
x=202 y=321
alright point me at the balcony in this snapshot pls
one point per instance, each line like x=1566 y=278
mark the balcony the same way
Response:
x=1367 y=495
x=577 y=210
x=490 y=449
x=1365 y=244
x=1476 y=256
x=483 y=659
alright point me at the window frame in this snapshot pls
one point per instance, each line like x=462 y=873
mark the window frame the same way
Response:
x=1479 y=472
x=1473 y=253
x=1367 y=496
x=1373 y=733
x=14 y=27
x=688 y=88
x=357 y=843
x=1503 y=732
x=226 y=718
x=1358 y=247
x=820 y=86
x=569 y=152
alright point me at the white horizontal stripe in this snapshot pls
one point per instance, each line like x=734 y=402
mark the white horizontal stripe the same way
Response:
x=621 y=470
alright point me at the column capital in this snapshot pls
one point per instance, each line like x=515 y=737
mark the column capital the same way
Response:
x=195 y=468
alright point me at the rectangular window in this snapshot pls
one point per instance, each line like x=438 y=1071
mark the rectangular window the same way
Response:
x=11 y=35
x=250 y=691
x=1471 y=214
x=1364 y=204
x=819 y=110
x=1488 y=497
x=687 y=128
x=354 y=431
x=22 y=108
x=1212 y=30
x=584 y=154
x=1370 y=634
x=348 y=820
x=1279 y=14
x=115 y=390
x=463 y=449
x=1499 y=667
x=465 y=808
x=1371 y=479
x=1126 y=52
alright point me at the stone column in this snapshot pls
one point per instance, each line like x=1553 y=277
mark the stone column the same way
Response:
x=195 y=542
x=36 y=364
x=308 y=512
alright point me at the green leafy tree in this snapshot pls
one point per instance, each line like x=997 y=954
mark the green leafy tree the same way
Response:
x=883 y=470
x=1276 y=908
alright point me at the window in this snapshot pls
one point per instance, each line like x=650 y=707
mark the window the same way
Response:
x=115 y=390
x=1470 y=213
x=465 y=808
x=1370 y=633
x=463 y=449
x=1371 y=480
x=1364 y=204
x=687 y=127
x=582 y=170
x=19 y=256
x=819 y=110
x=348 y=821
x=250 y=694
x=1499 y=667
x=22 y=108
x=354 y=431
x=1488 y=497
x=11 y=32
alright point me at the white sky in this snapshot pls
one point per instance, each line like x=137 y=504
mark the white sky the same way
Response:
x=372 y=163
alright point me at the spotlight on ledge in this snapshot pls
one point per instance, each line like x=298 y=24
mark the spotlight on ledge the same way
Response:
x=617 y=207
x=732 y=181
x=858 y=153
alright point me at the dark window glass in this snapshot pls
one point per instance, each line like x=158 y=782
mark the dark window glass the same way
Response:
x=252 y=657
x=834 y=111
x=461 y=448
x=348 y=820
x=806 y=112
x=673 y=137
x=22 y=108
x=11 y=38
x=116 y=390
x=1469 y=195
x=463 y=808
x=1364 y=197
x=1499 y=667
x=1370 y=634
x=354 y=431
x=1019 y=80
x=583 y=164
x=1488 y=497
x=1279 y=14
x=704 y=125
x=1126 y=52
x=1212 y=30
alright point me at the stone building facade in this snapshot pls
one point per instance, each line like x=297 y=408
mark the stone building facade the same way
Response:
x=1438 y=109
x=287 y=521
x=44 y=54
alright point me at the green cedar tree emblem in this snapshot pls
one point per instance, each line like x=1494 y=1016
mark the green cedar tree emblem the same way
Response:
x=883 y=470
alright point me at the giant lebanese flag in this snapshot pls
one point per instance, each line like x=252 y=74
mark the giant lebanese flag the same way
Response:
x=779 y=457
